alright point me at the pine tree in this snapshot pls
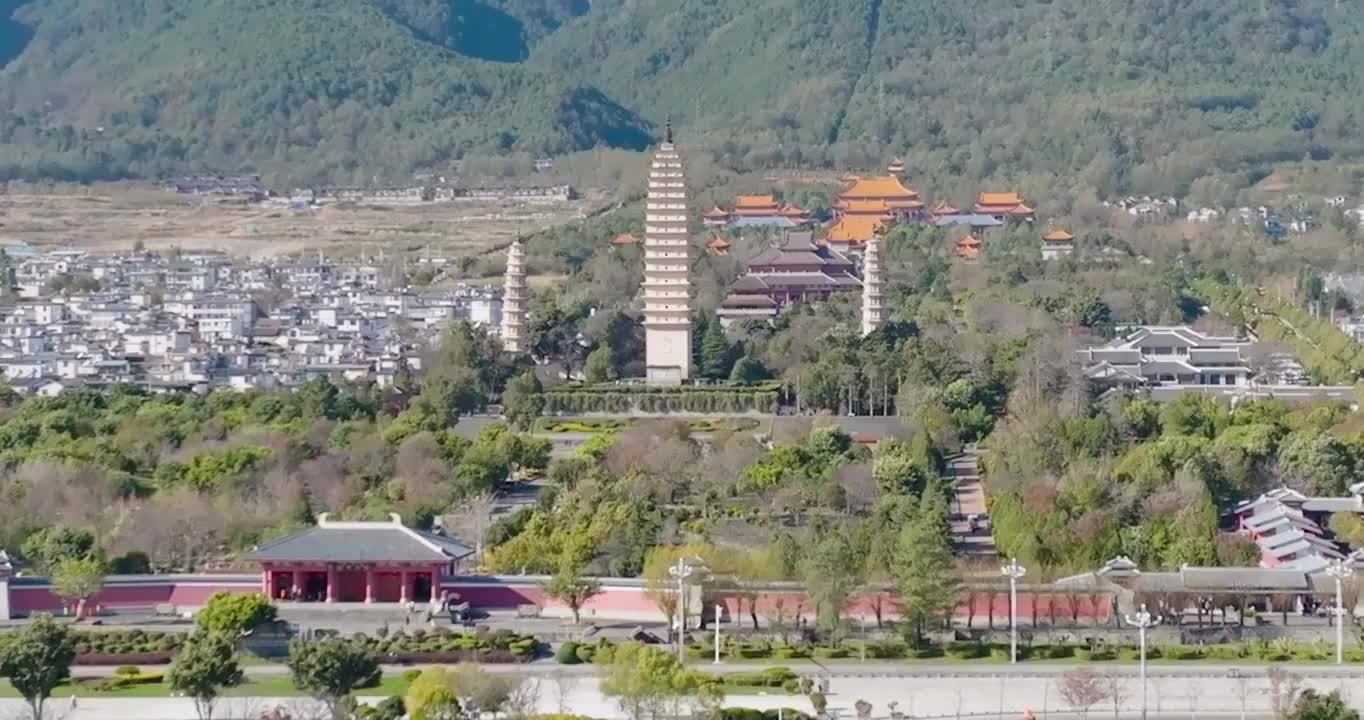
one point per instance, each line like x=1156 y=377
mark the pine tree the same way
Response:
x=715 y=352
x=925 y=579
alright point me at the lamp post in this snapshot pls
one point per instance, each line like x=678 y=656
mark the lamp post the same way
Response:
x=680 y=572
x=1013 y=571
x=1142 y=621
x=864 y=638
x=717 y=634
x=1339 y=570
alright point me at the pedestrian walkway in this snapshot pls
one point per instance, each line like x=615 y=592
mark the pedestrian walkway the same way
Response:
x=963 y=472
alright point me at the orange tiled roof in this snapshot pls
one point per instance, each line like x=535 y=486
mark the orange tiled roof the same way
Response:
x=1020 y=209
x=624 y=239
x=1058 y=236
x=754 y=201
x=882 y=186
x=854 y=229
x=968 y=247
x=943 y=208
x=999 y=198
x=718 y=245
x=715 y=213
x=789 y=210
x=857 y=206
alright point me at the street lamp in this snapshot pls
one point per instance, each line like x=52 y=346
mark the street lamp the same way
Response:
x=681 y=572
x=1142 y=621
x=1013 y=571
x=717 y=634
x=1340 y=570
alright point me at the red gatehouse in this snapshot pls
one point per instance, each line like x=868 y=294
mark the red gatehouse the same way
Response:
x=358 y=562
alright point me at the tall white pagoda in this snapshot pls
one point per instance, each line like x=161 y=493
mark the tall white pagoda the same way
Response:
x=514 y=313
x=871 y=286
x=667 y=267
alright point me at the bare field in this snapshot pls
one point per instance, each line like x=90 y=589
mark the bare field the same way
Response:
x=111 y=218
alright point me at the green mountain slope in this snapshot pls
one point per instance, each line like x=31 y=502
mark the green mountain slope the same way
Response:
x=1167 y=96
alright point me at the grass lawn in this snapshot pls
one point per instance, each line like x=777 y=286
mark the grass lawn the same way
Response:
x=274 y=686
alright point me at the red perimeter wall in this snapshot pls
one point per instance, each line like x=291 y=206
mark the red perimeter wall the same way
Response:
x=619 y=598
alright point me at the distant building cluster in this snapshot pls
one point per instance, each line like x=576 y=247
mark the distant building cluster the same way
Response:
x=1167 y=361
x=250 y=189
x=1290 y=527
x=195 y=321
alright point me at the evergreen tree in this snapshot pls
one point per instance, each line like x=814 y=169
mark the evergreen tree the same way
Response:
x=715 y=351
x=925 y=579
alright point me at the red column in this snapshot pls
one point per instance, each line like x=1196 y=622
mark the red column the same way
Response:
x=266 y=581
x=435 y=584
x=296 y=589
x=331 y=584
x=369 y=584
x=402 y=591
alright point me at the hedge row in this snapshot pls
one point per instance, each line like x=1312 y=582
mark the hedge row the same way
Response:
x=482 y=645
x=161 y=657
x=608 y=388
x=719 y=401
x=492 y=657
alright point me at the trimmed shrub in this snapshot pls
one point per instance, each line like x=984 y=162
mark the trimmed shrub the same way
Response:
x=116 y=658
x=568 y=654
x=965 y=650
x=1183 y=652
x=118 y=682
x=1224 y=652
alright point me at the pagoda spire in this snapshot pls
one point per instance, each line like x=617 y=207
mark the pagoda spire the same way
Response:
x=871 y=286
x=514 y=312
x=667 y=268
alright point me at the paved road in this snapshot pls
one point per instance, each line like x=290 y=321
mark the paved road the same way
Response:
x=964 y=472
x=973 y=695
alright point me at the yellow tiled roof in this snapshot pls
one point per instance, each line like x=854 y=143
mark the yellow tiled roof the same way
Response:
x=882 y=186
x=1058 y=236
x=999 y=198
x=754 y=201
x=854 y=229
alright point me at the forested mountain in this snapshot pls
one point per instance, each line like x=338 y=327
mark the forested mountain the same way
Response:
x=1170 y=96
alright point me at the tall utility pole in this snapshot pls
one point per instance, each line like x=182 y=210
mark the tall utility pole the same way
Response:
x=1014 y=572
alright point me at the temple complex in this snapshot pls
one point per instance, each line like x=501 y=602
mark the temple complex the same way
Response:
x=1003 y=205
x=358 y=562
x=667 y=267
x=797 y=269
x=756 y=211
x=514 y=308
x=868 y=204
x=871 y=287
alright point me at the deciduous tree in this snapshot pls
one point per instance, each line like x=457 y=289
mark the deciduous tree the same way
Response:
x=205 y=664
x=331 y=669
x=37 y=660
x=78 y=579
x=234 y=614
x=571 y=588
